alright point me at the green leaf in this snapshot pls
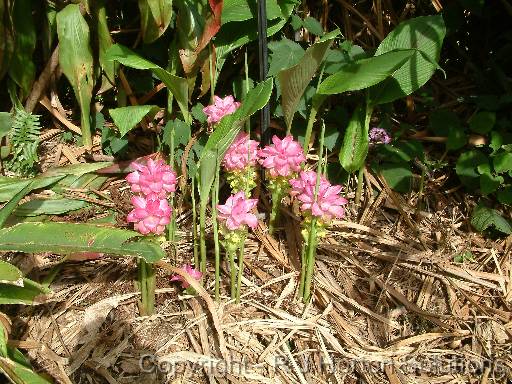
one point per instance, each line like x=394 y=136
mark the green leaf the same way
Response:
x=364 y=73
x=285 y=54
x=466 y=167
x=155 y=17
x=20 y=374
x=5 y=123
x=489 y=183
x=76 y=62
x=397 y=175
x=181 y=132
x=49 y=207
x=197 y=112
x=505 y=195
x=9 y=274
x=313 y=26
x=65 y=238
x=496 y=141
x=22 y=68
x=483 y=218
x=178 y=86
x=294 y=80
x=104 y=41
x=426 y=35
x=242 y=10
x=355 y=142
x=127 y=118
x=502 y=162
x=28 y=293
x=482 y=122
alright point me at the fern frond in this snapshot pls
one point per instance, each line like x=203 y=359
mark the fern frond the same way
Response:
x=24 y=138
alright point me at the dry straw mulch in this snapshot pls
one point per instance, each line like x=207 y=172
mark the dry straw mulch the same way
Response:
x=390 y=305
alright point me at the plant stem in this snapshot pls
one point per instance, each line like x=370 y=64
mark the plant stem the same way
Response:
x=274 y=213
x=194 y=223
x=240 y=269
x=202 y=236
x=302 y=270
x=215 y=201
x=360 y=178
x=359 y=190
x=310 y=263
x=147 y=288
x=172 y=225
x=231 y=256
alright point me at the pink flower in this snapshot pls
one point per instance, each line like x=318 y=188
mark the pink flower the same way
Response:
x=236 y=212
x=241 y=153
x=220 y=108
x=379 y=135
x=328 y=203
x=194 y=273
x=150 y=215
x=306 y=179
x=155 y=178
x=283 y=157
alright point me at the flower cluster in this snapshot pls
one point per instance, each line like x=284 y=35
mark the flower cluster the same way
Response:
x=379 y=135
x=220 y=108
x=152 y=183
x=282 y=158
x=327 y=205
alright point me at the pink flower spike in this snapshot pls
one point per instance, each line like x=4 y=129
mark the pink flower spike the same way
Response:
x=194 y=273
x=237 y=212
x=379 y=135
x=150 y=214
x=154 y=178
x=241 y=153
x=283 y=157
x=306 y=179
x=220 y=108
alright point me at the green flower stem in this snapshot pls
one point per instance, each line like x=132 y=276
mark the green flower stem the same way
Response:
x=274 y=213
x=240 y=269
x=215 y=201
x=359 y=190
x=231 y=256
x=202 y=237
x=147 y=282
x=194 y=223
x=360 y=178
x=310 y=261
x=302 y=270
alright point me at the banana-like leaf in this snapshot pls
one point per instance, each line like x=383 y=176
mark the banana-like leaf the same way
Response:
x=424 y=34
x=9 y=274
x=104 y=43
x=22 y=69
x=177 y=85
x=155 y=16
x=127 y=118
x=49 y=207
x=294 y=80
x=355 y=142
x=66 y=238
x=76 y=62
x=365 y=73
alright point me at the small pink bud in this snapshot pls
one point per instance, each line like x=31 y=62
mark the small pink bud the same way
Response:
x=220 y=108
x=237 y=212
x=194 y=273
x=283 y=157
x=241 y=153
x=150 y=215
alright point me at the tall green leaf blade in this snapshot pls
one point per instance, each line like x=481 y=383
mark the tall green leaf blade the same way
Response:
x=104 y=41
x=155 y=18
x=364 y=73
x=426 y=35
x=294 y=80
x=22 y=68
x=76 y=62
x=177 y=85
x=65 y=238
x=355 y=142
x=127 y=118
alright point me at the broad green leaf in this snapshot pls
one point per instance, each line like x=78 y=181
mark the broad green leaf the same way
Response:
x=127 y=118
x=28 y=293
x=484 y=217
x=76 y=169
x=49 y=207
x=466 y=167
x=489 y=183
x=226 y=131
x=155 y=16
x=76 y=62
x=5 y=123
x=355 y=142
x=20 y=374
x=294 y=80
x=313 y=26
x=8 y=208
x=104 y=41
x=364 y=73
x=178 y=86
x=9 y=274
x=65 y=238
x=397 y=175
x=3 y=339
x=180 y=130
x=502 y=162
x=426 y=35
x=505 y=195
x=242 y=10
x=22 y=69
x=285 y=54
x=482 y=122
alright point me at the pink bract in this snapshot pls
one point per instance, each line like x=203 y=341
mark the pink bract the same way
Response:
x=283 y=157
x=220 y=108
x=237 y=212
x=150 y=215
x=241 y=153
x=194 y=273
x=155 y=178
x=328 y=204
